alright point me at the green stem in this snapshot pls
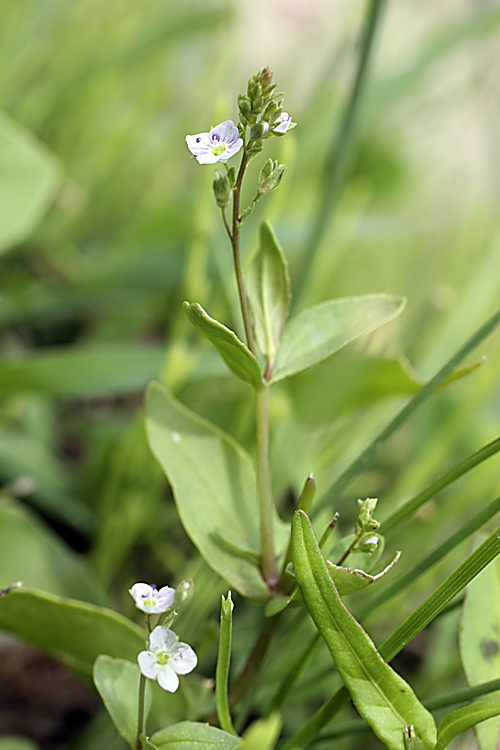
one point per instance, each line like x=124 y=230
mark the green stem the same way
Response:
x=234 y=235
x=223 y=662
x=140 y=720
x=413 y=404
x=340 y=155
x=264 y=490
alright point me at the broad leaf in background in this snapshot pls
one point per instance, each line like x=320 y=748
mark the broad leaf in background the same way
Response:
x=190 y=735
x=213 y=481
x=347 y=581
x=351 y=381
x=464 y=718
x=117 y=681
x=268 y=288
x=50 y=565
x=84 y=371
x=234 y=353
x=315 y=334
x=73 y=631
x=29 y=176
x=382 y=697
x=480 y=638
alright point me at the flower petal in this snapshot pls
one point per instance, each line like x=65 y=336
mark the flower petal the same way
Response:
x=165 y=598
x=183 y=659
x=162 y=639
x=148 y=664
x=226 y=131
x=167 y=679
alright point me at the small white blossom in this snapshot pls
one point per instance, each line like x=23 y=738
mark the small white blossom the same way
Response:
x=220 y=144
x=148 y=599
x=284 y=123
x=166 y=658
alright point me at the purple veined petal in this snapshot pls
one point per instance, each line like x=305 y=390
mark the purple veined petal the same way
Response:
x=231 y=150
x=162 y=639
x=183 y=659
x=196 y=143
x=167 y=679
x=208 y=158
x=140 y=591
x=284 y=121
x=148 y=664
x=226 y=132
x=165 y=597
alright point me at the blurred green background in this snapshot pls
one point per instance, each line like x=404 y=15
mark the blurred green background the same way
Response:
x=107 y=226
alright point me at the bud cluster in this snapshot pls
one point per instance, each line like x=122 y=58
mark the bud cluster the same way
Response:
x=366 y=523
x=259 y=99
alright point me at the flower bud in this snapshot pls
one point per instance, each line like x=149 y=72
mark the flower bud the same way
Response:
x=272 y=112
x=245 y=106
x=365 y=521
x=369 y=544
x=259 y=131
x=265 y=78
x=183 y=593
x=270 y=176
x=222 y=190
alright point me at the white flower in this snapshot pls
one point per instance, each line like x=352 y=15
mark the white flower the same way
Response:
x=166 y=659
x=284 y=123
x=148 y=599
x=220 y=144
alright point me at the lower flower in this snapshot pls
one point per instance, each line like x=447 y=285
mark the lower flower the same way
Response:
x=166 y=658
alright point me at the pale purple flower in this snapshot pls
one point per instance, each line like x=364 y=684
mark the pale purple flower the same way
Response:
x=220 y=144
x=284 y=123
x=148 y=599
x=166 y=658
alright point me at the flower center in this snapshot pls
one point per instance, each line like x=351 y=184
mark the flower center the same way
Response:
x=219 y=150
x=163 y=657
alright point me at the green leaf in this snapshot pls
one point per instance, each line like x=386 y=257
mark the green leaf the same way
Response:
x=464 y=718
x=317 y=333
x=357 y=559
x=147 y=744
x=13 y=742
x=480 y=639
x=117 y=681
x=190 y=735
x=381 y=696
x=29 y=175
x=347 y=581
x=268 y=288
x=234 y=353
x=72 y=631
x=263 y=734
x=83 y=371
x=33 y=554
x=214 y=486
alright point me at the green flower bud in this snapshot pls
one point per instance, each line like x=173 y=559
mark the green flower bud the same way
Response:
x=245 y=106
x=265 y=78
x=222 y=190
x=272 y=112
x=270 y=176
x=365 y=521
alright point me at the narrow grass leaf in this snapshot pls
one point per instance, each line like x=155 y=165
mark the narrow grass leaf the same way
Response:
x=464 y=718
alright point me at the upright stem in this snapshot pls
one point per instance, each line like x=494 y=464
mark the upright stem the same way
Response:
x=140 y=720
x=235 y=243
x=264 y=491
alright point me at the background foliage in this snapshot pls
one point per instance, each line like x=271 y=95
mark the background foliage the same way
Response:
x=97 y=100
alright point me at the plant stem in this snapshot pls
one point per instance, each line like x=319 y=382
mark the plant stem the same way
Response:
x=234 y=236
x=264 y=490
x=140 y=720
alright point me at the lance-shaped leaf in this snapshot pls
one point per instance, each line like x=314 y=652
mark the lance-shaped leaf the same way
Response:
x=191 y=735
x=315 y=334
x=464 y=718
x=268 y=287
x=381 y=696
x=213 y=480
x=117 y=681
x=347 y=581
x=233 y=351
